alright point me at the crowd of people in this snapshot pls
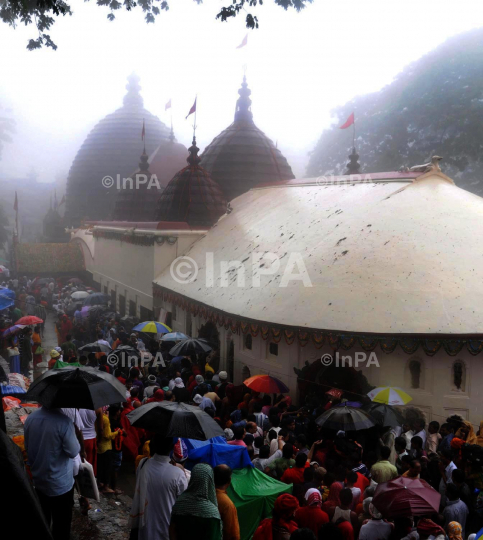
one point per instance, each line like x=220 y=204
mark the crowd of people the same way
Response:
x=333 y=475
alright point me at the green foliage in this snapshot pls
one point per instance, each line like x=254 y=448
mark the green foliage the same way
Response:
x=42 y=13
x=434 y=106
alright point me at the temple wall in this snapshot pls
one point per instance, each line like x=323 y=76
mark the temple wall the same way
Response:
x=437 y=395
x=129 y=269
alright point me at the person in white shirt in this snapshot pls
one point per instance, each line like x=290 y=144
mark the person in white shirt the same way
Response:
x=420 y=431
x=102 y=341
x=158 y=485
x=264 y=458
x=408 y=434
x=446 y=468
x=376 y=528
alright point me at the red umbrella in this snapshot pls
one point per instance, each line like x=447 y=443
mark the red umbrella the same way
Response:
x=29 y=319
x=404 y=497
x=266 y=384
x=335 y=393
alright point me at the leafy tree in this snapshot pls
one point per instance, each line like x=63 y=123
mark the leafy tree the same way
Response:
x=434 y=106
x=42 y=13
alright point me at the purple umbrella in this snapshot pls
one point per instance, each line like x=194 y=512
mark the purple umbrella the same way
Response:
x=12 y=330
x=355 y=404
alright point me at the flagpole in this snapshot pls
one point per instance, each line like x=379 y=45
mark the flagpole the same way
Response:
x=354 y=133
x=144 y=136
x=16 y=213
x=196 y=109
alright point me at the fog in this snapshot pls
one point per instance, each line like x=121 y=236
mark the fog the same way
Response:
x=299 y=66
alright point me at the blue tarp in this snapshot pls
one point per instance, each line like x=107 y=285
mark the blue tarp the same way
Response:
x=191 y=444
x=216 y=452
x=7 y=390
x=7 y=298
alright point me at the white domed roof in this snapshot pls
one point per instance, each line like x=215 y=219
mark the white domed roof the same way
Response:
x=395 y=255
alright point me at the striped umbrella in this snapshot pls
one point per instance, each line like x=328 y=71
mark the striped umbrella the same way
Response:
x=266 y=384
x=390 y=395
x=152 y=327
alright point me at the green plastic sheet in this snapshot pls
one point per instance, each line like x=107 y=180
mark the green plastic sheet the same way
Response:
x=254 y=494
x=60 y=364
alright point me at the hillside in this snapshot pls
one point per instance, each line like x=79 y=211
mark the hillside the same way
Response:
x=434 y=106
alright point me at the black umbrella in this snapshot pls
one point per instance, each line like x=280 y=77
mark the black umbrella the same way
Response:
x=123 y=356
x=345 y=419
x=95 y=347
x=190 y=346
x=384 y=415
x=175 y=420
x=81 y=387
x=97 y=299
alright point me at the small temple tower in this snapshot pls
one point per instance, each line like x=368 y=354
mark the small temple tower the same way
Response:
x=242 y=156
x=353 y=166
x=53 y=227
x=192 y=196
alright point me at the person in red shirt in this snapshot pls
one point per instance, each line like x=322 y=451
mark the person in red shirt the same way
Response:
x=312 y=516
x=295 y=475
x=239 y=435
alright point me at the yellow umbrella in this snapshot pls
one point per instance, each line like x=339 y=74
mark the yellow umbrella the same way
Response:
x=390 y=395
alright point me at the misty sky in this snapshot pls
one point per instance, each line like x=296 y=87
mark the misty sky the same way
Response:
x=299 y=66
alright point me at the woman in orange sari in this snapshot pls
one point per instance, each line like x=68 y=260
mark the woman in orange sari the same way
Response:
x=37 y=346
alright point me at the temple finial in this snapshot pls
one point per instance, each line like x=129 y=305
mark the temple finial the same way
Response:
x=193 y=158
x=133 y=96
x=353 y=166
x=243 y=105
x=144 y=163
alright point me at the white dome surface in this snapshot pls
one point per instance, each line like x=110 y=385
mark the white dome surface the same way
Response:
x=397 y=255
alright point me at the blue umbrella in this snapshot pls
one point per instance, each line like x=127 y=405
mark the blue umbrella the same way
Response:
x=174 y=336
x=7 y=298
x=152 y=327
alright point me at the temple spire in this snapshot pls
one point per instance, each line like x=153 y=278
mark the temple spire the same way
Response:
x=143 y=163
x=133 y=97
x=353 y=166
x=243 y=111
x=193 y=158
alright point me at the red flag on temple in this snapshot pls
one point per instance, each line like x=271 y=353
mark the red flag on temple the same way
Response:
x=193 y=108
x=348 y=122
x=167 y=106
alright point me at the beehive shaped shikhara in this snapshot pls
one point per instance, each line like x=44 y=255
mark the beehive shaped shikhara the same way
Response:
x=242 y=156
x=112 y=148
x=192 y=196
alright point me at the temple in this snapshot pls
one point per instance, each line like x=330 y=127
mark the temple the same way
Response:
x=111 y=151
x=192 y=196
x=242 y=156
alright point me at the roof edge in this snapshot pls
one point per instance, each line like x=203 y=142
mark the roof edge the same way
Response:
x=336 y=339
